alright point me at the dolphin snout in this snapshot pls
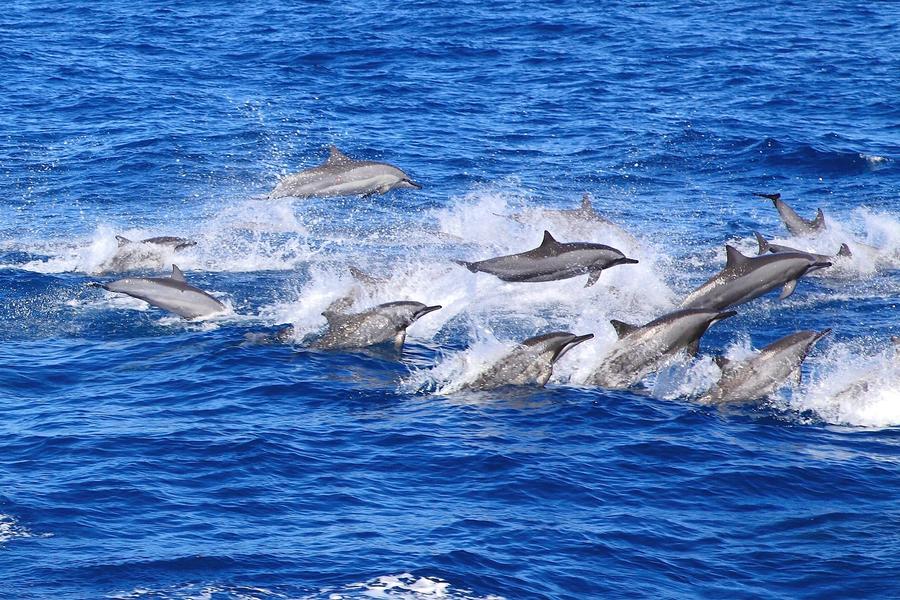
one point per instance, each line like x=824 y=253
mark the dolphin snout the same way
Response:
x=581 y=338
x=820 y=265
x=628 y=261
x=725 y=314
x=411 y=183
x=427 y=310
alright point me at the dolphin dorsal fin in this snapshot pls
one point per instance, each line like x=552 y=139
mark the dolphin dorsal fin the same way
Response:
x=336 y=157
x=763 y=244
x=122 y=240
x=363 y=277
x=819 y=221
x=733 y=257
x=586 y=205
x=548 y=240
x=722 y=362
x=622 y=328
x=177 y=275
x=845 y=250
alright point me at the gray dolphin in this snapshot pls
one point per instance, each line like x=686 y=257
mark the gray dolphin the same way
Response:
x=645 y=349
x=766 y=246
x=551 y=261
x=340 y=175
x=169 y=293
x=585 y=213
x=176 y=243
x=530 y=363
x=796 y=224
x=376 y=325
x=864 y=383
x=760 y=376
x=745 y=278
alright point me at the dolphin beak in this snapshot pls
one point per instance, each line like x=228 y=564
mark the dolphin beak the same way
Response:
x=820 y=335
x=724 y=315
x=819 y=265
x=628 y=261
x=413 y=184
x=571 y=343
x=427 y=310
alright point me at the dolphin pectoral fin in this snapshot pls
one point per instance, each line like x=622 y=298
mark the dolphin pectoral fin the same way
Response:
x=788 y=289
x=593 y=278
x=693 y=348
x=797 y=376
x=399 y=339
x=177 y=275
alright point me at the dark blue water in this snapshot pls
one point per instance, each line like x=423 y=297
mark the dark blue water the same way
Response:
x=142 y=456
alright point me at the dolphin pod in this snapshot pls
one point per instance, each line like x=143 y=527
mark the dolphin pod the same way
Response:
x=341 y=175
x=639 y=350
x=551 y=261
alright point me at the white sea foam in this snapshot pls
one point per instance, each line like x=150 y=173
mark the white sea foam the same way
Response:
x=11 y=529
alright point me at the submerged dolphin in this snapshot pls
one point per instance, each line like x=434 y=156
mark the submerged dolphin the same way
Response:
x=585 y=213
x=645 y=349
x=340 y=175
x=871 y=379
x=377 y=325
x=765 y=246
x=551 y=261
x=169 y=293
x=745 y=278
x=531 y=363
x=760 y=376
x=796 y=224
x=168 y=241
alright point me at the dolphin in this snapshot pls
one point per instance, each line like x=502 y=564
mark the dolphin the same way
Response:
x=745 y=278
x=531 y=363
x=872 y=378
x=172 y=293
x=766 y=246
x=645 y=349
x=168 y=241
x=796 y=224
x=376 y=325
x=340 y=175
x=760 y=376
x=585 y=213
x=551 y=261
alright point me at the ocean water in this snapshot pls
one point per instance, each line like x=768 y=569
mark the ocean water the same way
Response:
x=146 y=457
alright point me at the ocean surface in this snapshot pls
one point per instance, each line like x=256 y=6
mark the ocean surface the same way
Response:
x=147 y=457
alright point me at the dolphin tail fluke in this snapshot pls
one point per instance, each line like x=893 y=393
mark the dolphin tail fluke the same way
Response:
x=763 y=243
x=772 y=197
x=845 y=251
x=819 y=221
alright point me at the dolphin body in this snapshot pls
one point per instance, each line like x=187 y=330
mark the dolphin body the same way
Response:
x=796 y=224
x=552 y=261
x=376 y=325
x=745 y=278
x=340 y=175
x=870 y=379
x=167 y=241
x=531 y=363
x=173 y=294
x=765 y=246
x=760 y=376
x=585 y=213
x=645 y=349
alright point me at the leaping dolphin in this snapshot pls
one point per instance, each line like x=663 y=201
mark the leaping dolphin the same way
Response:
x=172 y=293
x=796 y=224
x=745 y=278
x=340 y=175
x=645 y=349
x=760 y=376
x=552 y=261
x=765 y=246
x=376 y=325
x=531 y=363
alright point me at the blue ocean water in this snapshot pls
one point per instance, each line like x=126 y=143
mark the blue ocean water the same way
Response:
x=143 y=456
